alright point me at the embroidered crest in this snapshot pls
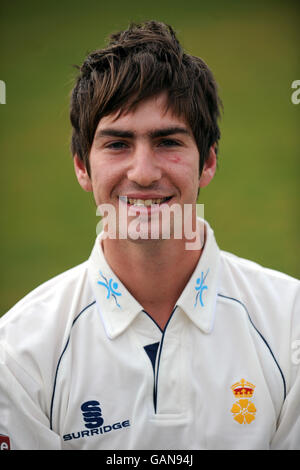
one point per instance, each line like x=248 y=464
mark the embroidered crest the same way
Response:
x=200 y=286
x=243 y=410
x=111 y=287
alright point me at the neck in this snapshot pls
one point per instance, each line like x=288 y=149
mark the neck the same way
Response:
x=159 y=271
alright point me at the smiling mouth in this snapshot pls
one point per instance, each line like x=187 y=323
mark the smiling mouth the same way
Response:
x=145 y=202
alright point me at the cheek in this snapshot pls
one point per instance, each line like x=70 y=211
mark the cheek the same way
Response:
x=100 y=169
x=177 y=159
x=102 y=181
x=185 y=169
x=185 y=161
x=105 y=181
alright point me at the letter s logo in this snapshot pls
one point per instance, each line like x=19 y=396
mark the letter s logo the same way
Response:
x=92 y=415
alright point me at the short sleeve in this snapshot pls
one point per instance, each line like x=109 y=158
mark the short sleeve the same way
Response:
x=23 y=422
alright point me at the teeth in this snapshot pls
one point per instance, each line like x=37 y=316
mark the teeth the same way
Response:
x=145 y=202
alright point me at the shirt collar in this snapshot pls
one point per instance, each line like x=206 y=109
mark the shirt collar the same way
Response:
x=198 y=299
x=118 y=308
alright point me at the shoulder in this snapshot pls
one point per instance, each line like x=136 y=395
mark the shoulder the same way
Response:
x=251 y=274
x=271 y=298
x=56 y=292
x=264 y=292
x=41 y=321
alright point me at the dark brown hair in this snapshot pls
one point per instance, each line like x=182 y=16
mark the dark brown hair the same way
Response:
x=140 y=62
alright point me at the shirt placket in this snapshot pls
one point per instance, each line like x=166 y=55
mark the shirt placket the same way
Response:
x=170 y=369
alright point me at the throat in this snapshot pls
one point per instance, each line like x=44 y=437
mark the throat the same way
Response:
x=160 y=316
x=154 y=277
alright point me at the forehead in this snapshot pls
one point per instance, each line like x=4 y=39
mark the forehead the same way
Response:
x=150 y=114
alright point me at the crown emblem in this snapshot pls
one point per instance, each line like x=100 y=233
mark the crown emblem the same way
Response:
x=243 y=410
x=243 y=389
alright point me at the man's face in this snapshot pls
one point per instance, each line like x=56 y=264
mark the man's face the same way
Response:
x=148 y=155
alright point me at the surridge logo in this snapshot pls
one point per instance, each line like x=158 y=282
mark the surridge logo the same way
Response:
x=94 y=422
x=92 y=414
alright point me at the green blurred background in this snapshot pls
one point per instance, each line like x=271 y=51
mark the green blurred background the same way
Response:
x=48 y=222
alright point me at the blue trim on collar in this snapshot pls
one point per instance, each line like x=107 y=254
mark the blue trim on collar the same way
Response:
x=153 y=320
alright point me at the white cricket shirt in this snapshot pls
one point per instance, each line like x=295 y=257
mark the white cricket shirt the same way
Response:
x=83 y=366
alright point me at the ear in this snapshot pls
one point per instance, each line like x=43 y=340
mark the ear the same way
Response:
x=209 y=168
x=82 y=174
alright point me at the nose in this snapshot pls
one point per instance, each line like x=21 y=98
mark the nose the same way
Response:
x=144 y=168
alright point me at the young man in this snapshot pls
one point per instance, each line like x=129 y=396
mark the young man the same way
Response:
x=149 y=344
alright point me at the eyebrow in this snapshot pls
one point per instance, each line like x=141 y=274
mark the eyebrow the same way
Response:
x=164 y=132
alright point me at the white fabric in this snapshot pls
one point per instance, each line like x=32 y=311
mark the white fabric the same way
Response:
x=75 y=374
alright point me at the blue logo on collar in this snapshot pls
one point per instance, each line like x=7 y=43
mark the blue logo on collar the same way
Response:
x=200 y=288
x=111 y=288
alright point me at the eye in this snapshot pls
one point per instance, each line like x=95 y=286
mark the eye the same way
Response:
x=117 y=145
x=169 y=143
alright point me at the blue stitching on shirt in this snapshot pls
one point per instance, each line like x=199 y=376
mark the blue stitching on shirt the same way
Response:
x=153 y=320
x=111 y=288
x=58 y=364
x=158 y=362
x=264 y=340
x=200 y=288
